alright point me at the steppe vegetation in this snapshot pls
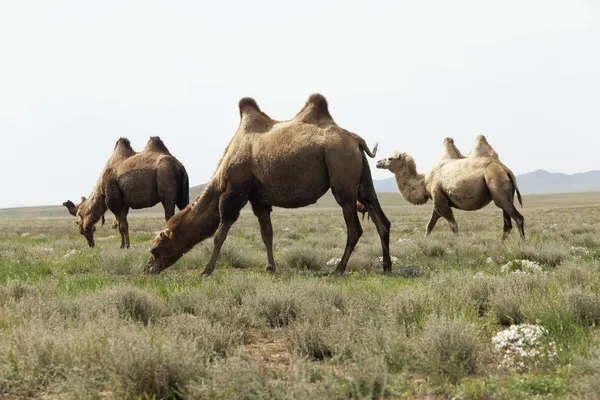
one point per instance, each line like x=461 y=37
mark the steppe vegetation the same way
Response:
x=462 y=317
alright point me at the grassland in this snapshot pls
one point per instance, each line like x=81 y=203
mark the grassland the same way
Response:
x=85 y=323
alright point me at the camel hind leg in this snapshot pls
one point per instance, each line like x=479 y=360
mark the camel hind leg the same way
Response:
x=353 y=228
x=502 y=190
x=344 y=179
x=368 y=197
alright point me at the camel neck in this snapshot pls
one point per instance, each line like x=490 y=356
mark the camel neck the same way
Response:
x=197 y=222
x=412 y=187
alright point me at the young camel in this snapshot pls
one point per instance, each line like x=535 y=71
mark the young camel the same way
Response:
x=134 y=180
x=287 y=164
x=466 y=184
x=72 y=208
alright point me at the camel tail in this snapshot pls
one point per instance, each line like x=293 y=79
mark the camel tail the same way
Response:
x=513 y=179
x=184 y=192
x=102 y=220
x=365 y=148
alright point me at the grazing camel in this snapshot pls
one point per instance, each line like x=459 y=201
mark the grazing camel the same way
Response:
x=287 y=164
x=72 y=208
x=134 y=180
x=467 y=184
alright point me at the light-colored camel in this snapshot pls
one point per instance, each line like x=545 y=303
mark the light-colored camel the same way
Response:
x=287 y=164
x=134 y=180
x=72 y=208
x=467 y=184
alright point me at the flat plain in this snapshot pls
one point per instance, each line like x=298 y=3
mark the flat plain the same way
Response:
x=86 y=323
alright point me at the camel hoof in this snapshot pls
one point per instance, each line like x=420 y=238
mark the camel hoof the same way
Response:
x=271 y=269
x=336 y=273
x=206 y=273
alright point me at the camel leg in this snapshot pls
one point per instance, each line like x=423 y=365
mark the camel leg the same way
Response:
x=353 y=229
x=230 y=205
x=432 y=221
x=383 y=225
x=169 y=207
x=263 y=213
x=123 y=229
x=442 y=207
x=507 y=224
x=502 y=191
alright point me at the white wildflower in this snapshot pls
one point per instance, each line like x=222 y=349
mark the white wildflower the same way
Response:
x=580 y=250
x=521 y=267
x=405 y=240
x=522 y=345
x=394 y=259
x=25 y=234
x=70 y=253
x=334 y=261
x=479 y=275
x=490 y=260
x=47 y=249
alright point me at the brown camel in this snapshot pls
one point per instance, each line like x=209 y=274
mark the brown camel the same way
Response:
x=134 y=180
x=72 y=208
x=287 y=164
x=467 y=184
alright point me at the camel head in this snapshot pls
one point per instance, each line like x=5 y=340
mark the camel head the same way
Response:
x=86 y=229
x=396 y=163
x=163 y=253
x=68 y=204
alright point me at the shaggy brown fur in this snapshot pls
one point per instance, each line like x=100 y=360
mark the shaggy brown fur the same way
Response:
x=134 y=180
x=287 y=164
x=464 y=184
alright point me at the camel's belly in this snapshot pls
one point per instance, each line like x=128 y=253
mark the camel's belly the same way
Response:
x=469 y=194
x=139 y=189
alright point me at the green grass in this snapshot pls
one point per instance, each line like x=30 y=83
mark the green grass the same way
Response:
x=86 y=323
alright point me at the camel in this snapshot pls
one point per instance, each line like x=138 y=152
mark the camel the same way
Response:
x=114 y=224
x=288 y=164
x=467 y=184
x=72 y=208
x=134 y=180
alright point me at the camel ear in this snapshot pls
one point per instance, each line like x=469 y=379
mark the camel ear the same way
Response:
x=165 y=235
x=82 y=198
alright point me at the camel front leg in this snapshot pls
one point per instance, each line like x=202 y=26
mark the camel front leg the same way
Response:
x=230 y=205
x=444 y=210
x=432 y=221
x=263 y=213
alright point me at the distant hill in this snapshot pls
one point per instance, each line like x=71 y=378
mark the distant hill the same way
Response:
x=536 y=182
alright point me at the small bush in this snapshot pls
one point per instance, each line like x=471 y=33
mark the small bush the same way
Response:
x=277 y=308
x=310 y=340
x=584 y=305
x=137 y=305
x=449 y=348
x=304 y=259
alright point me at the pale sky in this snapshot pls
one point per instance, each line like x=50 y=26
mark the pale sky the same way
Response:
x=76 y=75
